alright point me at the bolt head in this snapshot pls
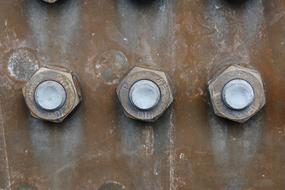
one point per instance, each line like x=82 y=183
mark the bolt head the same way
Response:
x=238 y=94
x=144 y=94
x=50 y=95
x=50 y=1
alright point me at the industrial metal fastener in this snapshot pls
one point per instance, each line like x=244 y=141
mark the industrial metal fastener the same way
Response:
x=145 y=94
x=50 y=1
x=52 y=93
x=237 y=93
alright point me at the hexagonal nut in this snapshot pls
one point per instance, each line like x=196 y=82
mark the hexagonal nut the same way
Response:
x=66 y=79
x=217 y=83
x=162 y=81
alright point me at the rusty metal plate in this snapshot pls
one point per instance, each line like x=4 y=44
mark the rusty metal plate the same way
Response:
x=97 y=147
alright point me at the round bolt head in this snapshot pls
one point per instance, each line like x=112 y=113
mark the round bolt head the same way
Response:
x=144 y=94
x=238 y=94
x=50 y=1
x=50 y=95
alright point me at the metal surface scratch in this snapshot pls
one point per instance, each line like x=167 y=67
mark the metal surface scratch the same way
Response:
x=172 y=153
x=5 y=148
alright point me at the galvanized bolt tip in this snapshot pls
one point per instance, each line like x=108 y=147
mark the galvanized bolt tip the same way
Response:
x=50 y=95
x=238 y=94
x=50 y=1
x=144 y=94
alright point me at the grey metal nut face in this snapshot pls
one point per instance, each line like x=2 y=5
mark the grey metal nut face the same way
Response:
x=145 y=94
x=52 y=93
x=237 y=93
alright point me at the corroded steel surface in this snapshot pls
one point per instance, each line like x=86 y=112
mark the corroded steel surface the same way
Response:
x=97 y=147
